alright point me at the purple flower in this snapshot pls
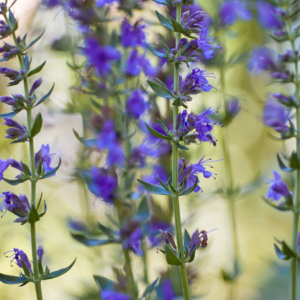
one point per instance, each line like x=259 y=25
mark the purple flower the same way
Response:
x=51 y=3
x=3 y=166
x=204 y=44
x=193 y=23
x=4 y=29
x=101 y=57
x=16 y=131
x=19 y=257
x=111 y=295
x=282 y=97
x=43 y=157
x=285 y=76
x=230 y=11
x=298 y=242
x=288 y=56
x=136 y=104
x=11 y=74
x=101 y=3
x=139 y=154
x=262 y=59
x=9 y=51
x=108 y=139
x=233 y=107
x=268 y=15
x=198 y=239
x=35 y=85
x=40 y=253
x=132 y=36
x=103 y=185
x=275 y=116
x=168 y=238
x=278 y=188
x=153 y=228
x=167 y=290
x=135 y=64
x=17 y=205
x=132 y=235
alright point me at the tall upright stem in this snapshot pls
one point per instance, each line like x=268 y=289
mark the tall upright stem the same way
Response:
x=297 y=198
x=33 y=179
x=229 y=187
x=176 y=207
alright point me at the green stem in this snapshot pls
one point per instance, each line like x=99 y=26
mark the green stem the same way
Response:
x=37 y=281
x=297 y=200
x=176 y=207
x=145 y=262
x=229 y=187
x=128 y=267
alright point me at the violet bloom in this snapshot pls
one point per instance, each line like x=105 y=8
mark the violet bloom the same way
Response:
x=278 y=188
x=4 y=29
x=51 y=3
x=108 y=139
x=298 y=242
x=103 y=185
x=101 y=57
x=40 y=253
x=19 y=256
x=262 y=59
x=282 y=97
x=11 y=74
x=269 y=15
x=101 y=3
x=16 y=131
x=135 y=64
x=233 y=107
x=204 y=44
x=3 y=166
x=131 y=236
x=35 y=86
x=230 y=11
x=140 y=153
x=43 y=157
x=193 y=22
x=9 y=51
x=276 y=116
x=136 y=104
x=167 y=290
x=132 y=36
x=111 y=295
x=17 y=205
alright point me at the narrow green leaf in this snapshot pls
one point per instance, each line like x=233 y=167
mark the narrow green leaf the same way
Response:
x=80 y=139
x=162 y=183
x=156 y=133
x=164 y=21
x=176 y=26
x=143 y=210
x=15 y=181
x=280 y=207
x=153 y=189
x=91 y=242
x=103 y=283
x=7 y=279
x=191 y=189
x=25 y=168
x=45 y=209
x=287 y=250
x=46 y=96
x=37 y=125
x=149 y=289
x=52 y=172
x=171 y=256
x=160 y=90
x=187 y=238
x=282 y=166
x=182 y=147
x=33 y=215
x=59 y=272
x=36 y=70
x=35 y=40
x=25 y=269
x=167 y=49
x=163 y=126
x=280 y=254
x=9 y=115
x=294 y=161
x=156 y=52
x=105 y=230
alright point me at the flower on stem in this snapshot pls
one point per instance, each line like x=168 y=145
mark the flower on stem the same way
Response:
x=285 y=76
x=40 y=253
x=43 y=157
x=289 y=56
x=233 y=107
x=101 y=57
x=9 y=51
x=35 y=86
x=230 y=11
x=108 y=139
x=17 y=102
x=198 y=239
x=103 y=184
x=11 y=74
x=136 y=104
x=131 y=235
x=19 y=256
x=192 y=22
x=4 y=29
x=276 y=116
x=167 y=290
x=269 y=15
x=187 y=123
x=168 y=238
x=263 y=59
x=153 y=228
x=101 y=3
x=3 y=166
x=278 y=188
x=132 y=36
x=16 y=131
x=17 y=205
x=204 y=43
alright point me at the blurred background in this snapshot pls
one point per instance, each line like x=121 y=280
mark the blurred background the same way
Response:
x=252 y=152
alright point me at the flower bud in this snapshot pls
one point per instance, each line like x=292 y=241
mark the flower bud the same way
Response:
x=16 y=131
x=168 y=238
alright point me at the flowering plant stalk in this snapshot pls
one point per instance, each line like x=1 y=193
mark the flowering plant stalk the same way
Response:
x=40 y=162
x=278 y=112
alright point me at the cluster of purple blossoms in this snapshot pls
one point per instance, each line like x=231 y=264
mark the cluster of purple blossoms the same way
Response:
x=230 y=11
x=16 y=205
x=276 y=116
x=278 y=188
x=198 y=239
x=112 y=295
x=15 y=131
x=187 y=123
x=108 y=139
x=136 y=104
x=188 y=173
x=131 y=234
x=132 y=35
x=21 y=257
x=103 y=184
